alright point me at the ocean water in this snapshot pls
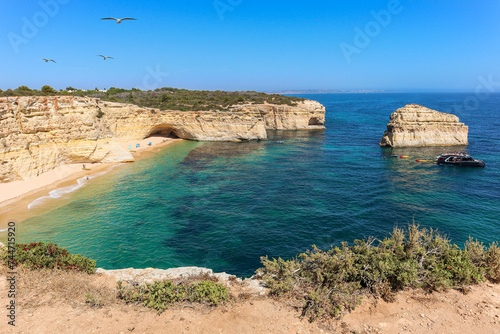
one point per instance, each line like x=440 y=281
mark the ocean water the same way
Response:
x=224 y=205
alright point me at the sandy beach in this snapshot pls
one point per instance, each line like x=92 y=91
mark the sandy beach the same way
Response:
x=16 y=196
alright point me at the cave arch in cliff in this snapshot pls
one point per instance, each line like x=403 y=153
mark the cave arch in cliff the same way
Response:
x=164 y=130
x=315 y=121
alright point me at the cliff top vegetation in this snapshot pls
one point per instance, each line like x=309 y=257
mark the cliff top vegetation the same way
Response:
x=166 y=98
x=321 y=284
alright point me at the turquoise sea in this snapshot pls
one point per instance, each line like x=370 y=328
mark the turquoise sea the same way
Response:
x=224 y=205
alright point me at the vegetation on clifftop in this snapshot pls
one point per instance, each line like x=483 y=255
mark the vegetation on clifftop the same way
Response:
x=49 y=257
x=322 y=284
x=166 y=98
x=41 y=255
x=325 y=283
x=162 y=294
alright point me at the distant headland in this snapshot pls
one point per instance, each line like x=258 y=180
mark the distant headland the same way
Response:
x=328 y=91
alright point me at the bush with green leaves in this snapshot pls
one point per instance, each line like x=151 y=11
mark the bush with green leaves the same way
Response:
x=162 y=294
x=93 y=300
x=325 y=283
x=47 y=90
x=488 y=259
x=38 y=255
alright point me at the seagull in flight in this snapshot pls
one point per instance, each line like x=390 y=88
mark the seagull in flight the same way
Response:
x=47 y=60
x=117 y=20
x=105 y=57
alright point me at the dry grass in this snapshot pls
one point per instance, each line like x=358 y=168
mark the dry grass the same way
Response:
x=47 y=287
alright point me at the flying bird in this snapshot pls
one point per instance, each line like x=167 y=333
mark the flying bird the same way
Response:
x=47 y=60
x=105 y=57
x=117 y=20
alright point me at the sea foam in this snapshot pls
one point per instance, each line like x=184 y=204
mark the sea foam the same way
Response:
x=59 y=192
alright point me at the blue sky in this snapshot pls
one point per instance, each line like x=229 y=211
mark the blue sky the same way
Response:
x=251 y=45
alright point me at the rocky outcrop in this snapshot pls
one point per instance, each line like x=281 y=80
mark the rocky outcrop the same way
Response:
x=38 y=134
x=416 y=125
x=150 y=275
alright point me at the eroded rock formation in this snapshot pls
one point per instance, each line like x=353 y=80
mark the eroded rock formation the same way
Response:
x=38 y=134
x=416 y=125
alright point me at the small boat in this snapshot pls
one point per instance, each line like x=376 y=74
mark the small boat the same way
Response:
x=459 y=159
x=424 y=160
x=404 y=156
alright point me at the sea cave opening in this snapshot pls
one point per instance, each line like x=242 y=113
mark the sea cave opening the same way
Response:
x=315 y=121
x=166 y=131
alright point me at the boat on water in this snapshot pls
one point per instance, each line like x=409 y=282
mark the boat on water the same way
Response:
x=459 y=159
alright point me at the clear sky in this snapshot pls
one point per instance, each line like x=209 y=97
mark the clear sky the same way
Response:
x=251 y=44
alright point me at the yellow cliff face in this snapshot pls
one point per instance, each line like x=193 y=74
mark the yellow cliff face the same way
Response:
x=415 y=125
x=38 y=134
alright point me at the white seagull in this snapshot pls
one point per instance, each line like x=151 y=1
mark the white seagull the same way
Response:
x=47 y=60
x=105 y=57
x=117 y=20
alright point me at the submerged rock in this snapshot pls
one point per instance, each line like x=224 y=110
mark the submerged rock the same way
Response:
x=416 y=125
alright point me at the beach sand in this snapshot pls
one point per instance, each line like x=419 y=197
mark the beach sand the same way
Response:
x=16 y=196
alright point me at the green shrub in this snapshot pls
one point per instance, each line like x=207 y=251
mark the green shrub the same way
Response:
x=47 y=90
x=492 y=263
x=93 y=301
x=487 y=259
x=37 y=255
x=162 y=294
x=207 y=292
x=325 y=283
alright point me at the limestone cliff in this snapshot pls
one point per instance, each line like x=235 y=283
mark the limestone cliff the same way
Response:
x=38 y=134
x=416 y=125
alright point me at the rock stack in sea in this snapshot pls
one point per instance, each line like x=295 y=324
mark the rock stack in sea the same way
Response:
x=416 y=125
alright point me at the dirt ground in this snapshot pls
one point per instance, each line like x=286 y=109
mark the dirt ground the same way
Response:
x=48 y=303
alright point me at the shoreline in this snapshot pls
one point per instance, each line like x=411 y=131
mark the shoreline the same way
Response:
x=17 y=195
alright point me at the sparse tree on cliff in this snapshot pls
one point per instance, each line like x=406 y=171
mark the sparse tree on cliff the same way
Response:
x=47 y=90
x=9 y=92
x=23 y=91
